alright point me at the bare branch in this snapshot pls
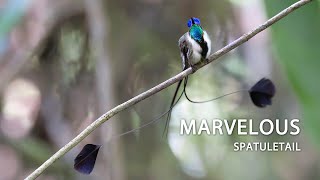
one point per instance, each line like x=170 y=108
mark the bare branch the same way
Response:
x=162 y=86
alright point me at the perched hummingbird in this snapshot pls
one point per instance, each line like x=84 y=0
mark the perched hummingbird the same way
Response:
x=195 y=45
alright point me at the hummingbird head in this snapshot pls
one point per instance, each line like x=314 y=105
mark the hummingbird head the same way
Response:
x=193 y=21
x=195 y=30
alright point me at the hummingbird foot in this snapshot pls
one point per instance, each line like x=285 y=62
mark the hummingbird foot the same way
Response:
x=193 y=69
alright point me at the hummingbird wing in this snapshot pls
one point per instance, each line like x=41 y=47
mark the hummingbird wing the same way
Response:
x=185 y=52
x=207 y=49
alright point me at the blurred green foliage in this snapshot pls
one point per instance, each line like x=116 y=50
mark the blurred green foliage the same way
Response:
x=296 y=41
x=11 y=14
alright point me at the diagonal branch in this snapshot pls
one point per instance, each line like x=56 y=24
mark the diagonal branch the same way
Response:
x=162 y=86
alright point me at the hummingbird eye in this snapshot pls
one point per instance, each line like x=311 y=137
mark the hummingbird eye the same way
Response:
x=193 y=21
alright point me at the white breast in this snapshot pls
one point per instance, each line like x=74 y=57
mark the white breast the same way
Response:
x=196 y=51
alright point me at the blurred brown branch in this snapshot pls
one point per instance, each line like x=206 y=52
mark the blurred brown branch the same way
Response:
x=162 y=86
x=98 y=29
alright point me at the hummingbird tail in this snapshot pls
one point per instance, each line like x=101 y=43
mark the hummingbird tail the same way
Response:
x=165 y=131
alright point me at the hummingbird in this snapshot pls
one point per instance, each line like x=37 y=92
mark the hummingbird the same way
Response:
x=195 y=45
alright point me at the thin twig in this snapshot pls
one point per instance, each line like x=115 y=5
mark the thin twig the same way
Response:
x=162 y=86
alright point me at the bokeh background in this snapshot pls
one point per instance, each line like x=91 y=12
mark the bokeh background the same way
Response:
x=63 y=63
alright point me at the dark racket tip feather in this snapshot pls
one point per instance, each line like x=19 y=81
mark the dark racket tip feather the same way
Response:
x=85 y=160
x=262 y=92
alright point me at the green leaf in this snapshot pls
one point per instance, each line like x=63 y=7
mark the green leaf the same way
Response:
x=296 y=40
